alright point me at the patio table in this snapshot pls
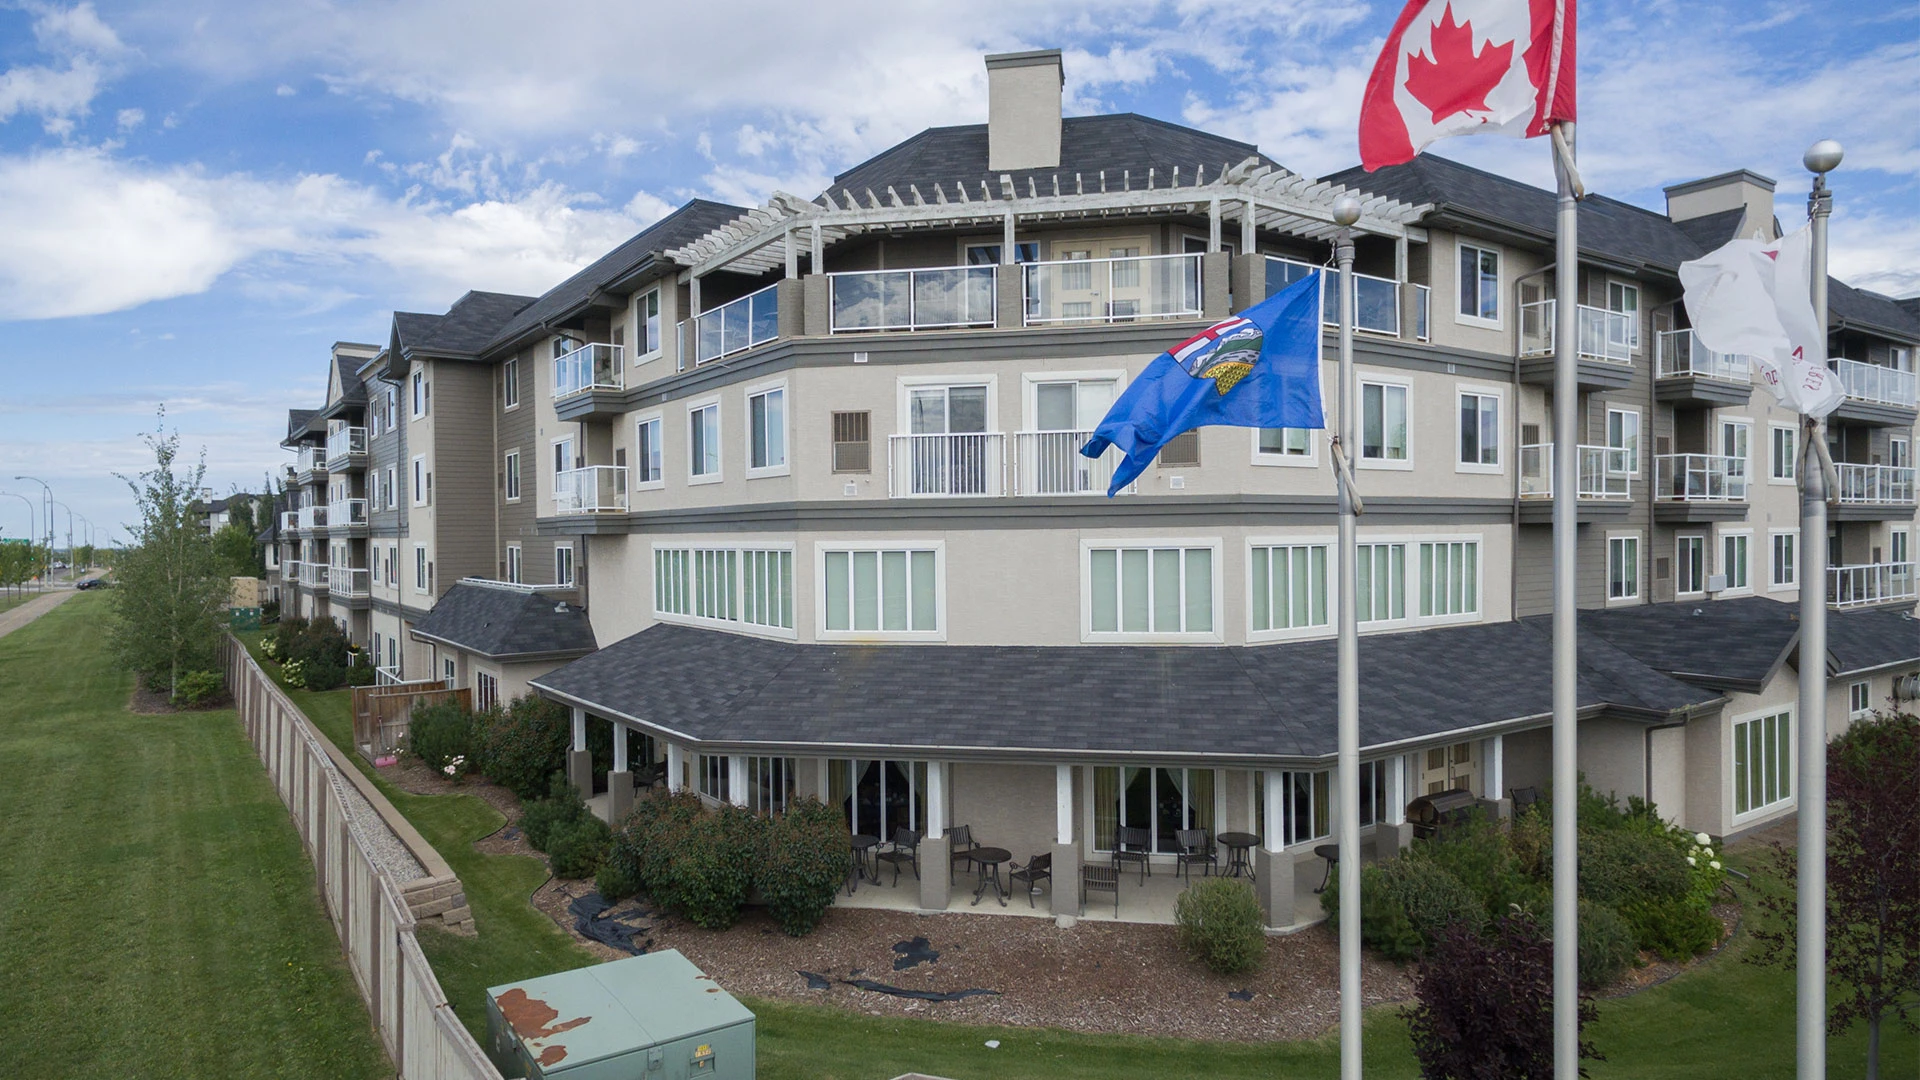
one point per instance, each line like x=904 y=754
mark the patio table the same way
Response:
x=989 y=860
x=1238 y=844
x=861 y=844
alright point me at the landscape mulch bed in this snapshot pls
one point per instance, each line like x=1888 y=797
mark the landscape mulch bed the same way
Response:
x=147 y=702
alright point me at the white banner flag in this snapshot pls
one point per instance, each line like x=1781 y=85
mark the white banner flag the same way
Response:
x=1755 y=299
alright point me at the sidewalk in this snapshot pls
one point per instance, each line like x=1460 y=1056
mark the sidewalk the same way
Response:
x=31 y=610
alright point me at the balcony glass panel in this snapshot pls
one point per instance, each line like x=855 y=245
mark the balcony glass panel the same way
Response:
x=1112 y=290
x=1376 y=303
x=344 y=442
x=1604 y=472
x=1700 y=478
x=1870 y=583
x=594 y=366
x=1875 y=383
x=1600 y=334
x=738 y=325
x=913 y=299
x=594 y=489
x=1680 y=353
x=1875 y=485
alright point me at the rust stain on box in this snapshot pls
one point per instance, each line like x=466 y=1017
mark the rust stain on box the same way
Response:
x=532 y=1018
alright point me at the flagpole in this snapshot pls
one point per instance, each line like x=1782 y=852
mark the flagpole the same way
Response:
x=1346 y=211
x=1811 y=947
x=1566 y=504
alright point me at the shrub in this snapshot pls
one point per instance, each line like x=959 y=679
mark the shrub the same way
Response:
x=295 y=674
x=523 y=744
x=360 y=675
x=1479 y=854
x=441 y=736
x=1404 y=905
x=652 y=838
x=1607 y=945
x=1220 y=925
x=1620 y=865
x=714 y=872
x=1675 y=929
x=541 y=818
x=1384 y=926
x=616 y=879
x=1485 y=1004
x=197 y=688
x=576 y=847
x=803 y=862
x=1530 y=836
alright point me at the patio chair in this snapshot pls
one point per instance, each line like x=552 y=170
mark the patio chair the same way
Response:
x=1099 y=879
x=960 y=843
x=1133 y=845
x=1038 y=869
x=1194 y=846
x=905 y=849
x=1524 y=798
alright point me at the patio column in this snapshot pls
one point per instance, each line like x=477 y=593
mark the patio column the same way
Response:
x=579 y=760
x=619 y=780
x=936 y=865
x=1494 y=758
x=676 y=768
x=1064 y=890
x=1272 y=866
x=1394 y=835
x=737 y=779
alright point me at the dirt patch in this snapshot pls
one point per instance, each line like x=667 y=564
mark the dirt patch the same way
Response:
x=147 y=702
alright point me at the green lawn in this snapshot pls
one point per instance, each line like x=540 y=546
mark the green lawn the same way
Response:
x=11 y=600
x=158 y=917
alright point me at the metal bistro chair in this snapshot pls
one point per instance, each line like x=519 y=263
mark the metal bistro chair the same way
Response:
x=905 y=849
x=960 y=844
x=1038 y=869
x=1133 y=845
x=1099 y=879
x=1524 y=798
x=1195 y=846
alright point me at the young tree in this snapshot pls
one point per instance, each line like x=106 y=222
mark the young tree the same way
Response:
x=1873 y=880
x=172 y=599
x=1485 y=1008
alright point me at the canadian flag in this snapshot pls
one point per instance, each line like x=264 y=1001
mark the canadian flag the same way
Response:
x=1455 y=67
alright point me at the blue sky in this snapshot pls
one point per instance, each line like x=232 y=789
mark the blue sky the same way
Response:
x=197 y=197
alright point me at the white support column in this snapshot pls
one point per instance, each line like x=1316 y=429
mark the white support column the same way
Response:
x=579 y=730
x=1213 y=224
x=1063 y=804
x=676 y=768
x=825 y=777
x=737 y=779
x=619 y=747
x=693 y=296
x=1496 y=766
x=1276 y=808
x=1400 y=258
x=817 y=263
x=936 y=799
x=1396 y=768
x=1006 y=241
x=1248 y=216
x=793 y=257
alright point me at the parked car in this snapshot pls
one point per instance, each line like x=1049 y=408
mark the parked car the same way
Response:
x=60 y=566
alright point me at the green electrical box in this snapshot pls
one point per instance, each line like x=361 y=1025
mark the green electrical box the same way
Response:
x=651 y=1017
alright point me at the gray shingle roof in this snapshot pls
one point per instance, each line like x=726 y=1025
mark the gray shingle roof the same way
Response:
x=352 y=390
x=464 y=331
x=1863 y=640
x=1737 y=644
x=1274 y=701
x=507 y=622
x=1871 y=311
x=1711 y=230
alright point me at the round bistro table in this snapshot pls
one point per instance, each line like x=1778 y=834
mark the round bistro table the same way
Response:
x=989 y=859
x=861 y=844
x=1238 y=844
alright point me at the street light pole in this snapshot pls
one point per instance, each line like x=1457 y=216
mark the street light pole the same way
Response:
x=1346 y=211
x=33 y=518
x=46 y=502
x=69 y=511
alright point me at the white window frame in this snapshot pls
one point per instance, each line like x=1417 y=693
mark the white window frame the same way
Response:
x=1415 y=584
x=1477 y=390
x=510 y=466
x=785 y=465
x=1633 y=446
x=1899 y=546
x=572 y=568
x=1031 y=381
x=1704 y=565
x=694 y=409
x=1633 y=317
x=1859 y=699
x=1499 y=290
x=1774 y=584
x=905 y=385
x=643 y=353
x=1359 y=394
x=1720 y=426
x=417 y=390
x=486 y=690
x=393 y=487
x=510 y=384
x=820 y=550
x=1631 y=541
x=1726 y=567
x=740 y=623
x=654 y=417
x=1214 y=543
x=1899 y=451
x=1791 y=478
x=1294 y=633
x=1754 y=810
x=515 y=565
x=419 y=477
x=421 y=580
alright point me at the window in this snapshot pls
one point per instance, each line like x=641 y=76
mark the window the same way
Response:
x=769 y=784
x=562 y=459
x=1735 y=445
x=1449 y=578
x=510 y=383
x=1762 y=762
x=1288 y=586
x=563 y=564
x=1383 y=422
x=512 y=471
x=1784 y=544
x=852 y=448
x=889 y=590
x=1024 y=251
x=1784 y=456
x=1072 y=405
x=1150 y=590
x=1283 y=446
x=1733 y=560
x=1479 y=284
x=513 y=563
x=1160 y=799
x=878 y=796
x=418 y=385
x=1382 y=591
x=1623 y=567
x=716 y=776
x=1624 y=298
x=1900 y=453
x=373 y=492
x=393 y=407
x=767 y=430
x=419 y=481
x=1690 y=554
x=725 y=584
x=1479 y=430
x=647 y=313
x=393 y=488
x=646 y=458
x=486 y=691
x=419 y=568
x=449 y=673
x=1623 y=437
x=1306 y=805
x=703 y=442
x=1859 y=699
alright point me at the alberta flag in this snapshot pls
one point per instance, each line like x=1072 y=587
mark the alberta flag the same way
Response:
x=1260 y=368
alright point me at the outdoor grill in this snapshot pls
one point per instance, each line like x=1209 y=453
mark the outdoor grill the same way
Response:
x=1431 y=813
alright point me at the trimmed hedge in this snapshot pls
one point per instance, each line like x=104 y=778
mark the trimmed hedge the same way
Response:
x=803 y=862
x=197 y=688
x=1220 y=925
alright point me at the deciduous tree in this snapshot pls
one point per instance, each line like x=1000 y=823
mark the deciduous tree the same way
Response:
x=1485 y=1008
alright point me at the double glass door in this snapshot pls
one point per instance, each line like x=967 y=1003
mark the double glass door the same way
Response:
x=947 y=452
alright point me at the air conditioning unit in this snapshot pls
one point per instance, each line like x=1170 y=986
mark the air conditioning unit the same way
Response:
x=1716 y=583
x=1906 y=688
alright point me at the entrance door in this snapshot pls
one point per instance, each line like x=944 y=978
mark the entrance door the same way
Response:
x=1734 y=444
x=1444 y=768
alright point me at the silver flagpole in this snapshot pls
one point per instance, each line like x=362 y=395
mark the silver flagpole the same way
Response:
x=1566 y=505
x=1346 y=211
x=1811 y=947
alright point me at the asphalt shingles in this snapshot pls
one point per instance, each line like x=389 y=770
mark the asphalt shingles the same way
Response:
x=502 y=621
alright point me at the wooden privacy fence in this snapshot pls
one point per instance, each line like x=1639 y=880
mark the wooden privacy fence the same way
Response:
x=369 y=909
x=381 y=713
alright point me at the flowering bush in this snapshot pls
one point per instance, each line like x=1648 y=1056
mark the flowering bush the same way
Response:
x=441 y=736
x=295 y=674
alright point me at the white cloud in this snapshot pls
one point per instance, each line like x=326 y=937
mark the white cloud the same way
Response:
x=283 y=90
x=86 y=52
x=128 y=119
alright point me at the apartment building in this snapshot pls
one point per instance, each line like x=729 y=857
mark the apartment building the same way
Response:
x=807 y=477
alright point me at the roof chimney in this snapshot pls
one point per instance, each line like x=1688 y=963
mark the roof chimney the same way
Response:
x=1741 y=189
x=1023 y=110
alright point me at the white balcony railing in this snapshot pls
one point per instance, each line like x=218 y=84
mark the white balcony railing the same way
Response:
x=971 y=463
x=932 y=299
x=1700 y=478
x=387 y=676
x=1600 y=334
x=1111 y=290
x=313 y=517
x=738 y=325
x=1870 y=583
x=592 y=490
x=1875 y=485
x=310 y=459
x=314 y=574
x=1875 y=383
x=593 y=366
x=1680 y=353
x=289 y=520
x=349 y=581
x=1050 y=463
x=1606 y=472
x=346 y=442
x=1376 y=300
x=346 y=513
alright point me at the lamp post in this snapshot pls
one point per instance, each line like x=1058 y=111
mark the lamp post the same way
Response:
x=69 y=511
x=47 y=503
x=33 y=517
x=1346 y=211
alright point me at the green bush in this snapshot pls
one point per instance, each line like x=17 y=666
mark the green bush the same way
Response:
x=1384 y=926
x=541 y=818
x=361 y=674
x=1405 y=903
x=441 y=736
x=523 y=744
x=1607 y=945
x=803 y=862
x=1619 y=866
x=1479 y=853
x=616 y=879
x=714 y=873
x=1673 y=928
x=197 y=688
x=653 y=837
x=1220 y=925
x=576 y=847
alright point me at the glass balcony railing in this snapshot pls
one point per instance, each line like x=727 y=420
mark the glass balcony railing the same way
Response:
x=968 y=463
x=1050 y=463
x=592 y=490
x=593 y=366
x=1111 y=290
x=1875 y=485
x=310 y=459
x=1870 y=583
x=1679 y=353
x=941 y=298
x=346 y=442
x=313 y=575
x=346 y=513
x=737 y=326
x=349 y=581
x=313 y=517
x=1376 y=300
x=1700 y=478
x=289 y=520
x=1606 y=472
x=1875 y=383
x=1601 y=334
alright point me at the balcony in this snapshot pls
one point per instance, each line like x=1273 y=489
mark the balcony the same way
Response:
x=1050 y=463
x=596 y=489
x=1699 y=487
x=1870 y=584
x=1691 y=375
x=351 y=582
x=346 y=443
x=309 y=464
x=737 y=326
x=1606 y=483
x=1376 y=300
x=1874 y=492
x=1873 y=394
x=594 y=366
x=313 y=575
x=937 y=299
x=1083 y=291
x=289 y=521
x=347 y=514
x=1604 y=352
x=971 y=463
x=313 y=518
